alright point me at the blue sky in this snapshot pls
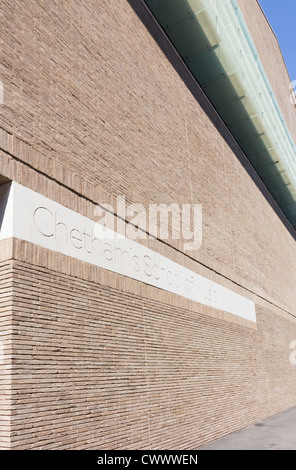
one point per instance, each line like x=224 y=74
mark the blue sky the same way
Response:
x=281 y=15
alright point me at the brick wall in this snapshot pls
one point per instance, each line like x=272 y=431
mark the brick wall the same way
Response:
x=98 y=368
x=6 y=328
x=271 y=56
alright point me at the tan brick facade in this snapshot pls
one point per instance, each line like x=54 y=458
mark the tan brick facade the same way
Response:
x=5 y=350
x=92 y=359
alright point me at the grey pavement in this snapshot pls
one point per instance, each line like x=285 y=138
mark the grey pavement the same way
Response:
x=275 y=433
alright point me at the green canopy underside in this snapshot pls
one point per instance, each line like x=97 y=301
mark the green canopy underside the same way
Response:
x=212 y=38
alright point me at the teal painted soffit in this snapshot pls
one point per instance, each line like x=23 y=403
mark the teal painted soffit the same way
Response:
x=214 y=41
